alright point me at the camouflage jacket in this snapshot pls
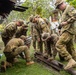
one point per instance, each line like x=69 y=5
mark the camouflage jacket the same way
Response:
x=21 y=31
x=42 y=26
x=69 y=15
x=9 y=30
x=13 y=44
x=33 y=29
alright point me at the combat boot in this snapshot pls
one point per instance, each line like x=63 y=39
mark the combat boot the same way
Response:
x=50 y=58
x=15 y=60
x=70 y=64
x=45 y=55
x=30 y=63
x=3 y=66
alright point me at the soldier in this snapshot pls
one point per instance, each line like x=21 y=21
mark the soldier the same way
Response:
x=65 y=43
x=13 y=48
x=34 y=33
x=9 y=31
x=22 y=30
x=41 y=27
x=51 y=42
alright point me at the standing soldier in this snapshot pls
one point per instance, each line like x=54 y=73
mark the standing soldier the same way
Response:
x=13 y=48
x=65 y=43
x=41 y=27
x=9 y=31
x=34 y=33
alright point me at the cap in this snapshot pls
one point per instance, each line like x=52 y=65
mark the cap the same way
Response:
x=58 y=2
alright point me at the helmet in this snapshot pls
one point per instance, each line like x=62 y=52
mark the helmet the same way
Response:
x=19 y=22
x=45 y=35
x=58 y=2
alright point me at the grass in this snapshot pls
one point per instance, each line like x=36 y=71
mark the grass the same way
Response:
x=20 y=67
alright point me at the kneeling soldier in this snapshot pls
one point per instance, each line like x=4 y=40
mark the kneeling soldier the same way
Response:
x=13 y=48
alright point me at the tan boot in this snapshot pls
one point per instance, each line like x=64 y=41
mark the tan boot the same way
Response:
x=70 y=64
x=3 y=66
x=16 y=60
x=8 y=64
x=30 y=63
x=50 y=58
x=45 y=55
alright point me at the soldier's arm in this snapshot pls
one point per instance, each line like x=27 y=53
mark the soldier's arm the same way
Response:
x=72 y=14
x=21 y=42
x=18 y=32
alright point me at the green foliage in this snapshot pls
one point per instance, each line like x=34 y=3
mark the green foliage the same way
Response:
x=1 y=28
x=39 y=10
x=40 y=7
x=72 y=2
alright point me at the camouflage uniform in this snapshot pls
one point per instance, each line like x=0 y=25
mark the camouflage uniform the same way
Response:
x=65 y=43
x=41 y=27
x=51 y=42
x=51 y=45
x=13 y=48
x=21 y=31
x=34 y=35
x=8 y=32
x=47 y=22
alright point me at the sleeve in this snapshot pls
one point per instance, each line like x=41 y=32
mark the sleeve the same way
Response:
x=42 y=24
x=72 y=15
x=21 y=42
x=18 y=32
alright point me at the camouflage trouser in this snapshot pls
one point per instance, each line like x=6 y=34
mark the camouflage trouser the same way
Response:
x=40 y=46
x=65 y=46
x=17 y=51
x=34 y=41
x=45 y=46
x=5 y=40
x=51 y=50
x=54 y=51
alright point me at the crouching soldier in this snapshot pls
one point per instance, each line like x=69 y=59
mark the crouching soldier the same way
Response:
x=10 y=30
x=13 y=48
x=51 y=42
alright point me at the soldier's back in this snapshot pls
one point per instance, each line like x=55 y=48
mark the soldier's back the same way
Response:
x=13 y=43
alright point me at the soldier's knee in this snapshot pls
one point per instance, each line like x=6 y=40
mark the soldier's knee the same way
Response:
x=25 y=47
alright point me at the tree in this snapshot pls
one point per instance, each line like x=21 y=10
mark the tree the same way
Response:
x=72 y=2
x=41 y=7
